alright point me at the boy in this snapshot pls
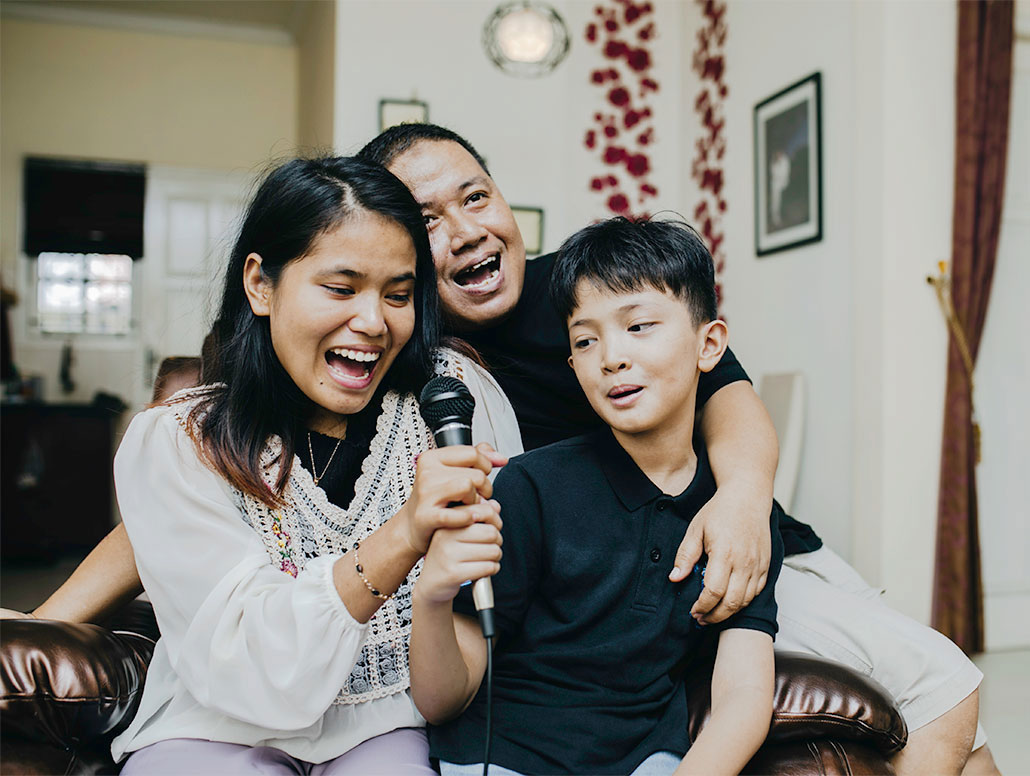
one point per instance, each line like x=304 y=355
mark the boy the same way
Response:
x=590 y=629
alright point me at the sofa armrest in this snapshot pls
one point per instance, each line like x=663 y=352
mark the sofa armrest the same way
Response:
x=73 y=685
x=816 y=699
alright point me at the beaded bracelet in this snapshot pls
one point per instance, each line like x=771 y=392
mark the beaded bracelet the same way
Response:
x=361 y=573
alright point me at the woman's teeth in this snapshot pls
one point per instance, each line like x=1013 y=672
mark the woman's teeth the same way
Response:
x=356 y=355
x=356 y=364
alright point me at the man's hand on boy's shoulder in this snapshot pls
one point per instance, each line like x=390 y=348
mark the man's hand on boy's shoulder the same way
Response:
x=732 y=529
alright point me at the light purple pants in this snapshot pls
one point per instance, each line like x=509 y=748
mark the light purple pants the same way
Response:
x=397 y=753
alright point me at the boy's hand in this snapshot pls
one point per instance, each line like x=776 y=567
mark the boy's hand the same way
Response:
x=457 y=555
x=733 y=531
x=451 y=491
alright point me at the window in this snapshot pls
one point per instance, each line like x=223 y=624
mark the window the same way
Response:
x=84 y=293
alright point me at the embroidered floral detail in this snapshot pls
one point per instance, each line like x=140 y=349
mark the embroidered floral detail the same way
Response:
x=282 y=541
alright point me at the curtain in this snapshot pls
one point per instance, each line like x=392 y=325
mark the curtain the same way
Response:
x=984 y=74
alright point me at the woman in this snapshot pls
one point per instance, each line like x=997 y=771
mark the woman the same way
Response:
x=278 y=515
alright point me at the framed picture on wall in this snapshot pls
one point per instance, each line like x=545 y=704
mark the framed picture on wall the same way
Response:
x=393 y=112
x=788 y=168
x=531 y=225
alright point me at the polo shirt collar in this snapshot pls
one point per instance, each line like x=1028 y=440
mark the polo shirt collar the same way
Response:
x=629 y=483
x=634 y=489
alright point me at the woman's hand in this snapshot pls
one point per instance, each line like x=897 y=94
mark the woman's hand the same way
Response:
x=452 y=490
x=457 y=555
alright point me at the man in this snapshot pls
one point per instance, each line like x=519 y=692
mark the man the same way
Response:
x=500 y=305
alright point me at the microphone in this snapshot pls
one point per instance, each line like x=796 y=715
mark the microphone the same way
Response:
x=447 y=406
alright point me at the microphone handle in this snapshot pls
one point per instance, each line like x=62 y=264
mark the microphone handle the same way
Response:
x=453 y=432
x=483 y=596
x=457 y=432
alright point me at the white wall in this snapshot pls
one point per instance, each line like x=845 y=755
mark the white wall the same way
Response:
x=530 y=130
x=792 y=310
x=853 y=312
x=915 y=167
x=1003 y=385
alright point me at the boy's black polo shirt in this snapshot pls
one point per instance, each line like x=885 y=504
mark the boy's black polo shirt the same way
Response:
x=528 y=355
x=589 y=626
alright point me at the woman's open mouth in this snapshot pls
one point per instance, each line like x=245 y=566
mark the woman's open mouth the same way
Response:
x=352 y=368
x=480 y=276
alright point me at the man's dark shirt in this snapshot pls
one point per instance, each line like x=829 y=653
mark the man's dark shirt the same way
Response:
x=528 y=356
x=590 y=629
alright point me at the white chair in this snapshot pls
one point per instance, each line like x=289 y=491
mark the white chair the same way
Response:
x=784 y=397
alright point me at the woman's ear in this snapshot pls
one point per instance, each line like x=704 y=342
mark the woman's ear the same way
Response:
x=257 y=285
x=714 y=337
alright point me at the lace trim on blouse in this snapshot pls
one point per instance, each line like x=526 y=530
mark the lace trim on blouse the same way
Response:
x=310 y=526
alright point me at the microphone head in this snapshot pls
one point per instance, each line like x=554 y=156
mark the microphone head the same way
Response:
x=445 y=398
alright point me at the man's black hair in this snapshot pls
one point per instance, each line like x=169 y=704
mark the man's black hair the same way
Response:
x=627 y=256
x=392 y=142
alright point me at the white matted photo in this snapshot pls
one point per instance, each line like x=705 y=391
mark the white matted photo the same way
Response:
x=531 y=224
x=394 y=112
x=788 y=168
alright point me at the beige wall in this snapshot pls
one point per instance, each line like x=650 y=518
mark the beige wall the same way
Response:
x=316 y=56
x=147 y=97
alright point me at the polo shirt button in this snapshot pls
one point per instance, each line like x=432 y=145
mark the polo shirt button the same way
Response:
x=662 y=505
x=656 y=555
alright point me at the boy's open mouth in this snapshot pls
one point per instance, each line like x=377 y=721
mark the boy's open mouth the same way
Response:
x=355 y=364
x=624 y=391
x=480 y=274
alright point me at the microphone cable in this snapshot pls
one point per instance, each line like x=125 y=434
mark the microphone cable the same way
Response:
x=489 y=703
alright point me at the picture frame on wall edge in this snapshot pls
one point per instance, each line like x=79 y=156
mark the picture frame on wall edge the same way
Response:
x=788 y=167
x=394 y=112
x=530 y=221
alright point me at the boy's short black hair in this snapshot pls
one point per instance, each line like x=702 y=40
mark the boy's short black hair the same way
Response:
x=392 y=142
x=626 y=255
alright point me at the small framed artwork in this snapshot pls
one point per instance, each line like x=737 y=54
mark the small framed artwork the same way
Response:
x=393 y=112
x=788 y=168
x=531 y=224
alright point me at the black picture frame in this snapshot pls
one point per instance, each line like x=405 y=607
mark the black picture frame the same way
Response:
x=789 y=167
x=394 y=112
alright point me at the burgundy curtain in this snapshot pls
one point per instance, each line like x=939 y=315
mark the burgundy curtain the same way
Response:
x=984 y=74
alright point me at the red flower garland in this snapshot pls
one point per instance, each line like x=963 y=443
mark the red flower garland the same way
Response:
x=625 y=127
x=706 y=169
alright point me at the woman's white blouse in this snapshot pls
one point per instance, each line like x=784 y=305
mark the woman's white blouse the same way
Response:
x=248 y=654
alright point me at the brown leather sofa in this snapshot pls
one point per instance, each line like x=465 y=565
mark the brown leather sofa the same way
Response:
x=66 y=690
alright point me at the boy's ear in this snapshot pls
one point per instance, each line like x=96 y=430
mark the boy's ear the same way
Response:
x=257 y=285
x=714 y=338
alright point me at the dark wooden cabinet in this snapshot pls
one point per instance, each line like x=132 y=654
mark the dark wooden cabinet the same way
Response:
x=56 y=489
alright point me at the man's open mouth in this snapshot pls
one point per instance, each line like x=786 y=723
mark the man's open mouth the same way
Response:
x=481 y=274
x=355 y=364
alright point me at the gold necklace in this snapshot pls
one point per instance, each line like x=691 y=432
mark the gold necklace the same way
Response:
x=311 y=452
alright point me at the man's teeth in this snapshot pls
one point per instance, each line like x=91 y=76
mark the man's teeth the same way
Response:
x=485 y=281
x=490 y=277
x=356 y=355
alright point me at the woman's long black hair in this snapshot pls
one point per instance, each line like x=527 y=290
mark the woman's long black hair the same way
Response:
x=294 y=205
